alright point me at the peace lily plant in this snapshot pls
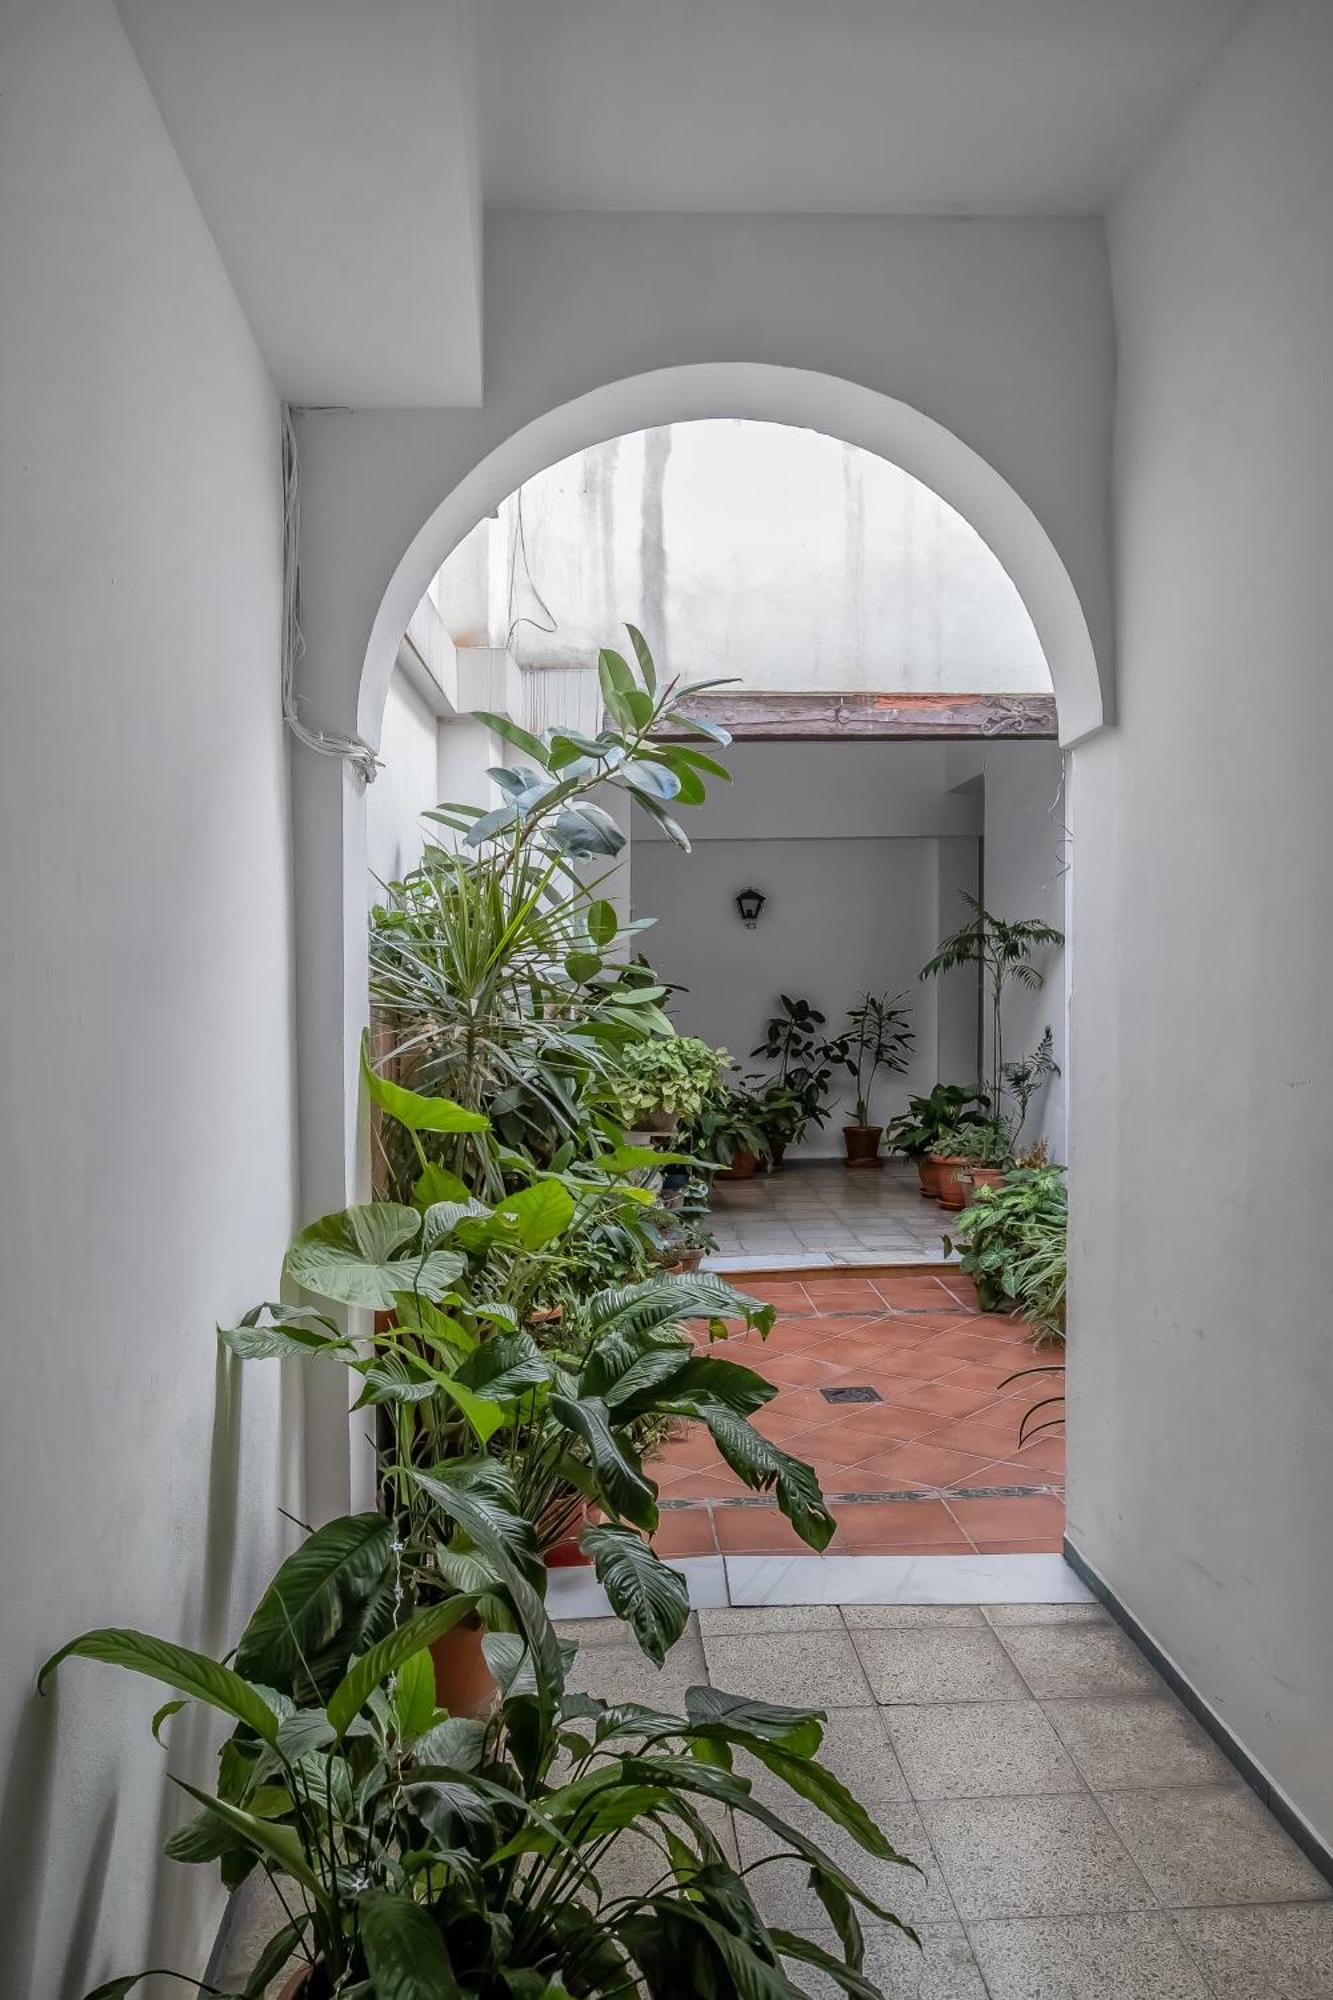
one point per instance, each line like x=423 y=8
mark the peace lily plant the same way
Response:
x=516 y=1350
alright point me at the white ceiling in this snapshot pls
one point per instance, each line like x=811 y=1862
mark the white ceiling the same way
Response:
x=808 y=106
x=331 y=145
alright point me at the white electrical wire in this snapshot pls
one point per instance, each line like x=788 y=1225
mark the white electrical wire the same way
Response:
x=327 y=743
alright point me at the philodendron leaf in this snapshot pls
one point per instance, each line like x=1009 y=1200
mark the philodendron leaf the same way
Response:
x=192 y=1674
x=419 y=1113
x=405 y=1954
x=321 y=1590
x=533 y=1217
x=650 y=1596
x=351 y=1257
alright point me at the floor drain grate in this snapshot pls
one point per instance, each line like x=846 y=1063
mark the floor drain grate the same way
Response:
x=851 y=1395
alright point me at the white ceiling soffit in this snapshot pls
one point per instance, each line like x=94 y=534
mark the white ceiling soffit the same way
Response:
x=331 y=146
x=811 y=106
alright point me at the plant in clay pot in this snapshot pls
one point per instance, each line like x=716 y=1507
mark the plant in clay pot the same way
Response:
x=1013 y=1244
x=665 y=1080
x=417 y=1854
x=924 y=1123
x=877 y=1041
x=730 y=1130
x=973 y=1153
x=798 y=1096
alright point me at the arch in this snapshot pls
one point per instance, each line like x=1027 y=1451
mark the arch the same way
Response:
x=809 y=400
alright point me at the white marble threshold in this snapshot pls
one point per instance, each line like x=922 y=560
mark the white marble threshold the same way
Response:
x=828 y=1260
x=715 y=1581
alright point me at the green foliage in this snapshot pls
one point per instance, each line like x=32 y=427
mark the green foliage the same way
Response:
x=794 y=1038
x=877 y=1040
x=1004 y=950
x=927 y=1119
x=980 y=1141
x=676 y=1073
x=1013 y=1239
x=420 y=1856
x=731 y=1122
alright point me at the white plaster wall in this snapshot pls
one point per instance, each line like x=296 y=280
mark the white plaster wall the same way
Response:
x=843 y=917
x=145 y=1006
x=1201 y=1475
x=407 y=785
x=1025 y=862
x=851 y=843
x=762 y=551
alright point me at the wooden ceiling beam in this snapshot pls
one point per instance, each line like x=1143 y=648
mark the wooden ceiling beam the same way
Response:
x=817 y=718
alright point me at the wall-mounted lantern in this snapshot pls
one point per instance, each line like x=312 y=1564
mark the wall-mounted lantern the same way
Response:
x=750 y=902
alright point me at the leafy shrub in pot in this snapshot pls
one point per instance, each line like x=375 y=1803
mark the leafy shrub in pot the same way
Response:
x=660 y=1081
x=977 y=1146
x=926 y=1120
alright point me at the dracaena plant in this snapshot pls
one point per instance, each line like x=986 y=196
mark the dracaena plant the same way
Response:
x=418 y=1855
x=878 y=1040
x=497 y=971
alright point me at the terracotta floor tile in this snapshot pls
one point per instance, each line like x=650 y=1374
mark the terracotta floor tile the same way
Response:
x=827 y=1443
x=801 y=1369
x=800 y=1410
x=921 y=1465
x=1042 y=1545
x=943 y=1399
x=754 y=1531
x=1010 y=1520
x=685 y=1531
x=874 y=1428
x=721 y=1484
x=900 y=1523
x=986 y=1437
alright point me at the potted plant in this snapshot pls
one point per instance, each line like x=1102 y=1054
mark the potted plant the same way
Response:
x=924 y=1122
x=783 y=1116
x=972 y=1154
x=1013 y=1243
x=684 y=1237
x=877 y=1038
x=662 y=1080
x=730 y=1130
x=1003 y=949
x=797 y=1097
x=418 y=1854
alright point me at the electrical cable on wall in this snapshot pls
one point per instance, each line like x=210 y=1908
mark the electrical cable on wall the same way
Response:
x=327 y=743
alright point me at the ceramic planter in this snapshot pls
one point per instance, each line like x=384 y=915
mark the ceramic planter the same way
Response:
x=928 y=1173
x=862 y=1145
x=744 y=1166
x=954 y=1181
x=689 y=1260
x=986 y=1176
x=464 y=1684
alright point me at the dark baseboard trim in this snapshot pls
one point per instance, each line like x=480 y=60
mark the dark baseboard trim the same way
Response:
x=1316 y=1850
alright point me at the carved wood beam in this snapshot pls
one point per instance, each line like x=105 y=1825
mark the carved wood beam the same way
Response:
x=814 y=718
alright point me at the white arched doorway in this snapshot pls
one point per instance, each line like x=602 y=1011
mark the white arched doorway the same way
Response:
x=330 y=800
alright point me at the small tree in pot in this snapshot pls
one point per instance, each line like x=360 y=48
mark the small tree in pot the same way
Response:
x=798 y=1096
x=877 y=1038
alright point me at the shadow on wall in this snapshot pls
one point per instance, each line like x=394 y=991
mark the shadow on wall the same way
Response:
x=179 y=1928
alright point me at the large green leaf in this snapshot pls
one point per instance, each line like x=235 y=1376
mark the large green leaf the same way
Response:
x=322 y=1590
x=275 y=1842
x=650 y=1596
x=192 y=1674
x=766 y=1468
x=533 y=1217
x=623 y=1487
x=418 y=1113
x=374 y=1667
x=504 y=1368
x=512 y=732
x=810 y=1780
x=852 y=1981
x=799 y=1731
x=602 y=922
x=703 y=1378
x=350 y=1256
x=280 y=1341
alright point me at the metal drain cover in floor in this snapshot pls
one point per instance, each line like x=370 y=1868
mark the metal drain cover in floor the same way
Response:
x=851 y=1395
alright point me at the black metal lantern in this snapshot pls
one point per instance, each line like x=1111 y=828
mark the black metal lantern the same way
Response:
x=750 y=902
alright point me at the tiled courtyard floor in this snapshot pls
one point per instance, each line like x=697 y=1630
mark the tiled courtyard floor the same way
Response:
x=1080 y=1837
x=933 y=1466
x=818 y=1212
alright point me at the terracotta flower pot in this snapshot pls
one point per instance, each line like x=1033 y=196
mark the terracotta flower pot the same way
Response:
x=565 y=1553
x=862 y=1145
x=986 y=1176
x=928 y=1173
x=955 y=1182
x=464 y=1684
x=689 y=1260
x=744 y=1166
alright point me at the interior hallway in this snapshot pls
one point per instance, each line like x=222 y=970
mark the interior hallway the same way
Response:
x=815 y=1212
